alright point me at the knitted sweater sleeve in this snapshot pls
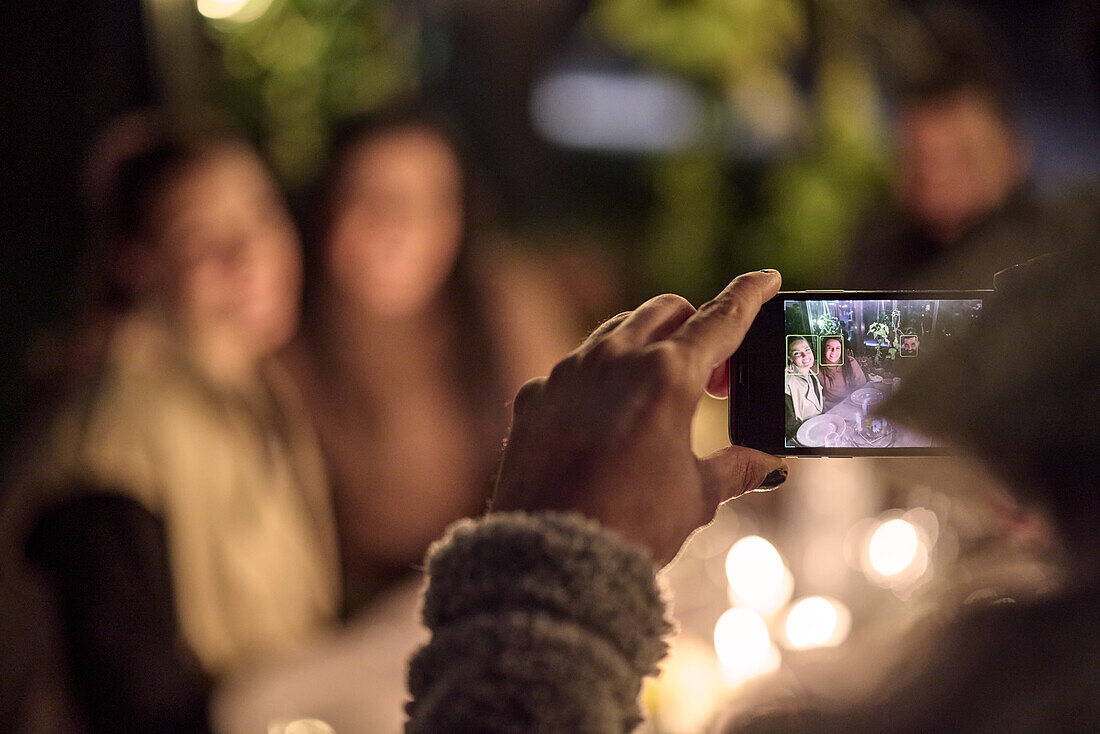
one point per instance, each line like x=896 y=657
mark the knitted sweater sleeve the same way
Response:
x=540 y=623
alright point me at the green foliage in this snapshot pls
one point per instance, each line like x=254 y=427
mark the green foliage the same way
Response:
x=303 y=65
x=713 y=41
x=691 y=193
x=827 y=324
x=807 y=201
x=888 y=336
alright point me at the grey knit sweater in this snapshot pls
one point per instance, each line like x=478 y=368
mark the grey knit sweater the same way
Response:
x=540 y=623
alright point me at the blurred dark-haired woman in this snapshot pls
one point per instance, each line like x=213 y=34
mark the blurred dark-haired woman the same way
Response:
x=417 y=332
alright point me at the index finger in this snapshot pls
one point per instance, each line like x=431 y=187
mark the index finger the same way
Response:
x=716 y=330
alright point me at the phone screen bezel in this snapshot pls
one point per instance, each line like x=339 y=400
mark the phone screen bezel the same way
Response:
x=756 y=413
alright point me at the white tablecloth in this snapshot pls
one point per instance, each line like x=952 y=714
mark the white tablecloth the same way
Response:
x=850 y=412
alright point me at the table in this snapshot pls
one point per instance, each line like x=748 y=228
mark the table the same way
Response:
x=849 y=412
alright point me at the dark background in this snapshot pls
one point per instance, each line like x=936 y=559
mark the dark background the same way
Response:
x=66 y=68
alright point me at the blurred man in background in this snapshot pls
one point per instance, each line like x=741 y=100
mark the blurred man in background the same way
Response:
x=964 y=205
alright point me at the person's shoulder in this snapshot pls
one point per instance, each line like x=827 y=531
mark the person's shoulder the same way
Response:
x=110 y=428
x=887 y=245
x=1050 y=217
x=141 y=375
x=1074 y=210
x=1049 y=646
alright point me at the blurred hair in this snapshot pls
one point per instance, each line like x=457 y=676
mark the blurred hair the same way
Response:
x=126 y=168
x=951 y=86
x=358 y=131
x=479 y=369
x=964 y=59
x=794 y=338
x=135 y=155
x=129 y=166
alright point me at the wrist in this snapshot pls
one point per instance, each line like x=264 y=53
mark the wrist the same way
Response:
x=557 y=563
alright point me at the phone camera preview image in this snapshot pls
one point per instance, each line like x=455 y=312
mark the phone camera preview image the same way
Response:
x=843 y=358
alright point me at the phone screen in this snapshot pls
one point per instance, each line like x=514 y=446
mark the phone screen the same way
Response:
x=816 y=368
x=845 y=356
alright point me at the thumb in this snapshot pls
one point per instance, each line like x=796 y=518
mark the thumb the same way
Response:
x=735 y=470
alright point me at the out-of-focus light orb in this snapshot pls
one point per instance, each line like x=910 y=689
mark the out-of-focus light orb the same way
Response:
x=817 y=621
x=240 y=11
x=926 y=523
x=300 y=726
x=220 y=9
x=743 y=645
x=683 y=698
x=893 y=547
x=599 y=110
x=757 y=575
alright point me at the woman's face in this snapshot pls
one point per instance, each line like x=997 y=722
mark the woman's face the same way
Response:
x=226 y=256
x=831 y=351
x=397 y=222
x=802 y=357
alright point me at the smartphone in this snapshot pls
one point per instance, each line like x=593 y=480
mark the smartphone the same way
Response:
x=815 y=365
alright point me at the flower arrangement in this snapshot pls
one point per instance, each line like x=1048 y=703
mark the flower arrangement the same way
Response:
x=828 y=324
x=887 y=336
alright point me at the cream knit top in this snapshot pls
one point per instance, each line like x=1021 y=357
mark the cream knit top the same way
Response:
x=239 y=485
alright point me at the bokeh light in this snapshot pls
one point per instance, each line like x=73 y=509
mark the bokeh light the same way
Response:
x=743 y=645
x=604 y=111
x=817 y=621
x=757 y=575
x=895 y=551
x=893 y=546
x=240 y=11
x=300 y=726
x=682 y=699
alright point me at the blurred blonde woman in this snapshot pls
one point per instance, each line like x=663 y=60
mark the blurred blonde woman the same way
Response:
x=177 y=507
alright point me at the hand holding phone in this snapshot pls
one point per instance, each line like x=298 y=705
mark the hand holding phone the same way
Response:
x=608 y=432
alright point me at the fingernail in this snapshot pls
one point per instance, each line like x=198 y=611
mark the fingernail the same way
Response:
x=769 y=270
x=774 y=479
